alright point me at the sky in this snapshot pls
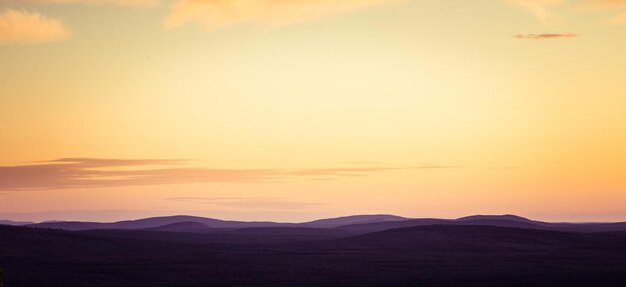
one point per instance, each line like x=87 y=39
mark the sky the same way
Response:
x=293 y=110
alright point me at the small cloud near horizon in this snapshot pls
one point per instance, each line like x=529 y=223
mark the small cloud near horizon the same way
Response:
x=254 y=203
x=620 y=19
x=23 y=27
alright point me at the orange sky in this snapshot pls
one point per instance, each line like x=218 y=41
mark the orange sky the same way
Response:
x=294 y=110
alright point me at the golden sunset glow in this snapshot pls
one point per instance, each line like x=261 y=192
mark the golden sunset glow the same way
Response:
x=295 y=110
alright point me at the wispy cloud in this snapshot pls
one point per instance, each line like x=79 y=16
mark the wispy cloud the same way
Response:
x=144 y=3
x=539 y=8
x=607 y=4
x=544 y=36
x=255 y=203
x=22 y=27
x=216 y=14
x=621 y=19
x=88 y=172
x=603 y=3
x=543 y=9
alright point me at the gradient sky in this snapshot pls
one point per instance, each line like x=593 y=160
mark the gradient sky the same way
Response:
x=294 y=110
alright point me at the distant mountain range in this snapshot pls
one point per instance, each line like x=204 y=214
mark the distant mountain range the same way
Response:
x=158 y=222
x=356 y=224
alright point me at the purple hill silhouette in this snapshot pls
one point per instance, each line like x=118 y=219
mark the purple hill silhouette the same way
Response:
x=185 y=226
x=489 y=220
x=354 y=219
x=69 y=225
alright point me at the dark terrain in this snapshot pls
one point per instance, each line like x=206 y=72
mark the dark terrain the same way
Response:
x=376 y=250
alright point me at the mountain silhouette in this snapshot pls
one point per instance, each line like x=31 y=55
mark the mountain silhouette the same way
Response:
x=509 y=217
x=14 y=223
x=155 y=222
x=380 y=226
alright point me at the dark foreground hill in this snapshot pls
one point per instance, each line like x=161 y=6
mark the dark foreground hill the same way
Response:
x=433 y=255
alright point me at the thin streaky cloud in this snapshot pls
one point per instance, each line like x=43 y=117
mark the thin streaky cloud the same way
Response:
x=140 y=3
x=539 y=8
x=621 y=19
x=102 y=162
x=91 y=173
x=362 y=162
x=544 y=36
x=504 y=167
x=219 y=14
